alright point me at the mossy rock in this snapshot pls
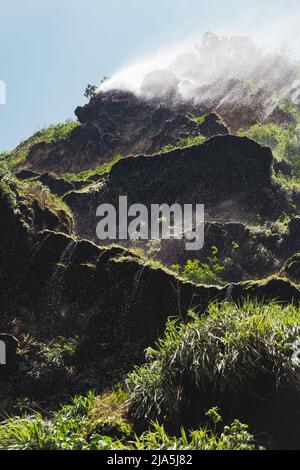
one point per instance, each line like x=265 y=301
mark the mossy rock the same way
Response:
x=273 y=288
x=291 y=269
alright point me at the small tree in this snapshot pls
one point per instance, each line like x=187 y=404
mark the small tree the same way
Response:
x=90 y=91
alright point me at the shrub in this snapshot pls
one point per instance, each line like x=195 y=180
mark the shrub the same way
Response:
x=207 y=272
x=88 y=423
x=219 y=354
x=90 y=91
x=65 y=430
x=284 y=141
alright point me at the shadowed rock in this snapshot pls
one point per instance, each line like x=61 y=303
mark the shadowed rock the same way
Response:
x=119 y=122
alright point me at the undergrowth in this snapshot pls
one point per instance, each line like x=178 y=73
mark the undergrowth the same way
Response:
x=222 y=351
x=98 y=423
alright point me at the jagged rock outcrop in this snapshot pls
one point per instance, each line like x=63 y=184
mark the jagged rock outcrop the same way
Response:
x=114 y=301
x=230 y=175
x=222 y=169
x=107 y=300
x=119 y=122
x=22 y=215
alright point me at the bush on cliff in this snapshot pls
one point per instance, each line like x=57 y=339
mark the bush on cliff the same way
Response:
x=207 y=272
x=284 y=141
x=228 y=358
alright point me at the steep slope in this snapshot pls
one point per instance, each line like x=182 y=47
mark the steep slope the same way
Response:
x=120 y=123
x=231 y=176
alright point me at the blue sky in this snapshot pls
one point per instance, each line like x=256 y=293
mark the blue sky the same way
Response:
x=51 y=49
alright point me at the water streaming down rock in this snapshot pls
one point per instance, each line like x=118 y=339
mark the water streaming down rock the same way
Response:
x=28 y=264
x=122 y=320
x=136 y=283
x=56 y=282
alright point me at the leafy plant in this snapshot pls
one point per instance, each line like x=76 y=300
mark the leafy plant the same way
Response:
x=284 y=141
x=72 y=428
x=59 y=351
x=224 y=350
x=65 y=430
x=90 y=91
x=234 y=437
x=207 y=272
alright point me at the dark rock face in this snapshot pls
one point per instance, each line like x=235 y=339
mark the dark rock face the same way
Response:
x=116 y=303
x=27 y=175
x=56 y=286
x=231 y=176
x=291 y=268
x=226 y=164
x=291 y=243
x=243 y=254
x=218 y=170
x=284 y=167
x=120 y=123
x=58 y=186
x=21 y=219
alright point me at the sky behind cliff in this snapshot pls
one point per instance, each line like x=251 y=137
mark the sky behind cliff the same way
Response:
x=51 y=50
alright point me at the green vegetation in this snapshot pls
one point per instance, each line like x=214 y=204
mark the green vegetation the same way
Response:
x=185 y=142
x=48 y=135
x=234 y=437
x=224 y=351
x=290 y=184
x=32 y=195
x=101 y=170
x=8 y=185
x=65 y=430
x=198 y=119
x=90 y=91
x=95 y=423
x=207 y=272
x=283 y=138
x=35 y=192
x=59 y=352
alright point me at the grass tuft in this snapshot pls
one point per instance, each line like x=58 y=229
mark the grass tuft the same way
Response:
x=223 y=352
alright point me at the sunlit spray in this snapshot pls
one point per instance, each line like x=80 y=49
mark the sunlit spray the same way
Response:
x=221 y=71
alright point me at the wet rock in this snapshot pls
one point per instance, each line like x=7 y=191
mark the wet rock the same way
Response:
x=223 y=168
x=58 y=186
x=283 y=166
x=27 y=174
x=266 y=290
x=291 y=241
x=291 y=268
x=120 y=123
x=80 y=184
